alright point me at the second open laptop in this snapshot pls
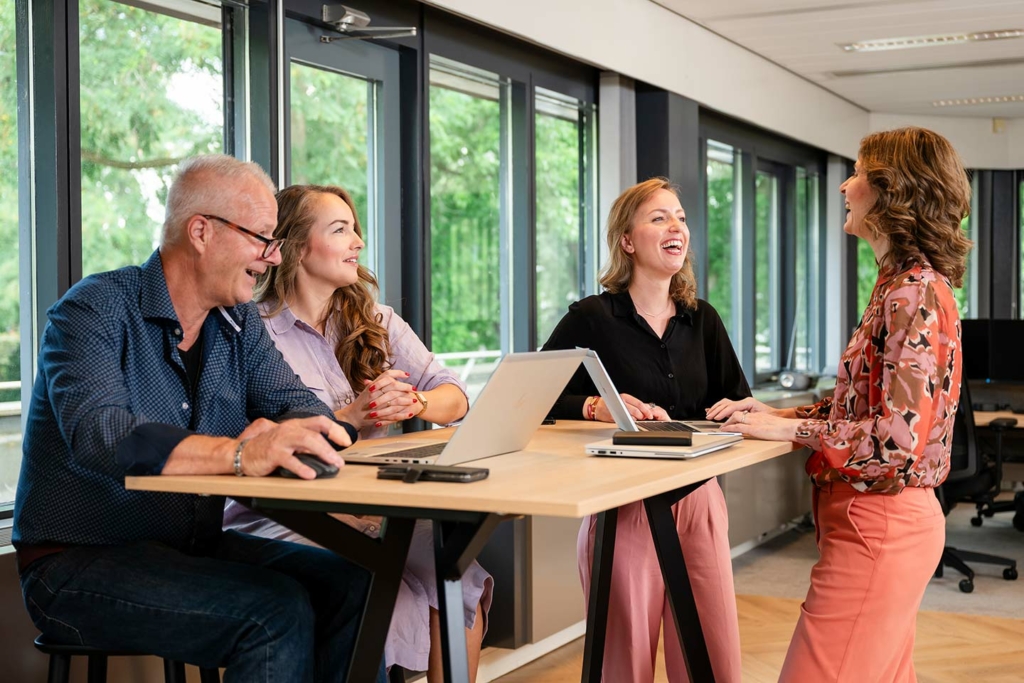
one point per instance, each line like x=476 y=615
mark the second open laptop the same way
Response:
x=503 y=418
x=703 y=441
x=617 y=407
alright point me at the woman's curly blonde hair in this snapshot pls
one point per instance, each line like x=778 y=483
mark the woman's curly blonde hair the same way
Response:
x=362 y=348
x=923 y=194
x=618 y=272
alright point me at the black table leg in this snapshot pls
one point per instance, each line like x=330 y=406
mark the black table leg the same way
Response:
x=600 y=590
x=383 y=557
x=677 y=582
x=455 y=547
x=380 y=602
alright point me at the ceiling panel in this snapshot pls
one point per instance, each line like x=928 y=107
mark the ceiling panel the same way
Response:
x=804 y=36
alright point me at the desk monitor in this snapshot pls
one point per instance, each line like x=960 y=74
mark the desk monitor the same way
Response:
x=975 y=336
x=1005 y=357
x=992 y=350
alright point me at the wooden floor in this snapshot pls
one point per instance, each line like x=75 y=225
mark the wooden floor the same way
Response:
x=951 y=648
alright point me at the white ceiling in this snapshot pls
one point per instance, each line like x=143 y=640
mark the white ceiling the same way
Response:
x=804 y=37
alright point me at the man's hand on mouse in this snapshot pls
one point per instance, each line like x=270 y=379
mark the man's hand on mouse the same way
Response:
x=269 y=445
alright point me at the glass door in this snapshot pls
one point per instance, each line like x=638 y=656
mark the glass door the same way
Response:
x=341 y=99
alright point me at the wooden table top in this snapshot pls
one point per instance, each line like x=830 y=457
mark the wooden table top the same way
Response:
x=552 y=476
x=982 y=418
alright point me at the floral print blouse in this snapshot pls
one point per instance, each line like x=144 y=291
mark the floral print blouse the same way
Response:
x=890 y=423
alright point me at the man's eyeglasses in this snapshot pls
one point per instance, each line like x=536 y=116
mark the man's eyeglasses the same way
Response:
x=271 y=246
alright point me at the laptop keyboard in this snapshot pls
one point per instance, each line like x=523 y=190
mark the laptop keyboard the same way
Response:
x=658 y=426
x=428 y=451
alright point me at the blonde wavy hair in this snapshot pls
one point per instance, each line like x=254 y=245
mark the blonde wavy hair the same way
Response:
x=362 y=349
x=923 y=195
x=617 y=274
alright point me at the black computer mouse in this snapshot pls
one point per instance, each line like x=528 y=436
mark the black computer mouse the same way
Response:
x=323 y=470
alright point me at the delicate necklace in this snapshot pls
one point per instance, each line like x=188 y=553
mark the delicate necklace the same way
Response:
x=655 y=315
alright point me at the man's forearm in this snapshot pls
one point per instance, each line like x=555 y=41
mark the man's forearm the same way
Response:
x=199 y=454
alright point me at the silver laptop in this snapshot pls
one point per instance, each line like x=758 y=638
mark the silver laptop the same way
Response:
x=625 y=421
x=503 y=418
x=704 y=442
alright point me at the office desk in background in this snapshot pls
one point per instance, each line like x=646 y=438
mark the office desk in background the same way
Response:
x=553 y=476
x=983 y=418
x=1012 y=470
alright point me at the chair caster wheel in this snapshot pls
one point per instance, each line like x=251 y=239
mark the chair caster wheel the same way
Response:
x=966 y=586
x=1010 y=573
x=975 y=521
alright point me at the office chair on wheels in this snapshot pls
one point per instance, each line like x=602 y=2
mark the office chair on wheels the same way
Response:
x=986 y=502
x=972 y=477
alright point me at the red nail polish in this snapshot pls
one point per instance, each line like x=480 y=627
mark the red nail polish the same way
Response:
x=410 y=414
x=415 y=389
x=379 y=424
x=373 y=414
x=372 y=387
x=415 y=401
x=373 y=404
x=407 y=374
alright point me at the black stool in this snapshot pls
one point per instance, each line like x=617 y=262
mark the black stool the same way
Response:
x=60 y=663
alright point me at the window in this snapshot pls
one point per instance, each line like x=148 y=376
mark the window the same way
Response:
x=563 y=132
x=151 y=95
x=10 y=340
x=805 y=348
x=867 y=274
x=469 y=170
x=724 y=233
x=967 y=296
x=767 y=218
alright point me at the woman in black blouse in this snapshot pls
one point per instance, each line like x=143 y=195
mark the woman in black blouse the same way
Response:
x=669 y=354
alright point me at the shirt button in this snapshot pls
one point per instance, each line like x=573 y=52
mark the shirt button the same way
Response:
x=372 y=527
x=671 y=408
x=177 y=331
x=347 y=401
x=662 y=346
x=671 y=376
x=184 y=406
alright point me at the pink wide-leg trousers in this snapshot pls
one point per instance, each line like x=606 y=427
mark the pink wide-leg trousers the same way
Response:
x=638 y=602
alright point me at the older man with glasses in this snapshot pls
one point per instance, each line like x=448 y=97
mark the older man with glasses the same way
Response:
x=166 y=368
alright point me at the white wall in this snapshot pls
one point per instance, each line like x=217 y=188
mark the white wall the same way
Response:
x=980 y=143
x=645 y=41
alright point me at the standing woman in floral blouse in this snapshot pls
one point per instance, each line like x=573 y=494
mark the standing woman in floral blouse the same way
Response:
x=882 y=443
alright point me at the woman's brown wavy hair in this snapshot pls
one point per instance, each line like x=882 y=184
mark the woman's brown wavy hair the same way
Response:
x=923 y=196
x=618 y=272
x=362 y=348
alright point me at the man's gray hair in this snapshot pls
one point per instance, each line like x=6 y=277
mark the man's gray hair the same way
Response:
x=199 y=187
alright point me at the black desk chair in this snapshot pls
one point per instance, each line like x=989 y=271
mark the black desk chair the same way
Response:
x=972 y=477
x=60 y=663
x=986 y=502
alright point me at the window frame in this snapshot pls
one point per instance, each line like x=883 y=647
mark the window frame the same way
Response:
x=527 y=68
x=756 y=150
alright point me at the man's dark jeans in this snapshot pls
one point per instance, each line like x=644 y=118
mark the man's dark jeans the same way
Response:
x=267 y=610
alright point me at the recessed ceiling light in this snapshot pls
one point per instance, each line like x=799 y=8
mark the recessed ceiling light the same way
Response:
x=930 y=41
x=968 y=101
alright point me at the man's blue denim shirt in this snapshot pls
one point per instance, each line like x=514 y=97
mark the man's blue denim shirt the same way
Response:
x=111 y=399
